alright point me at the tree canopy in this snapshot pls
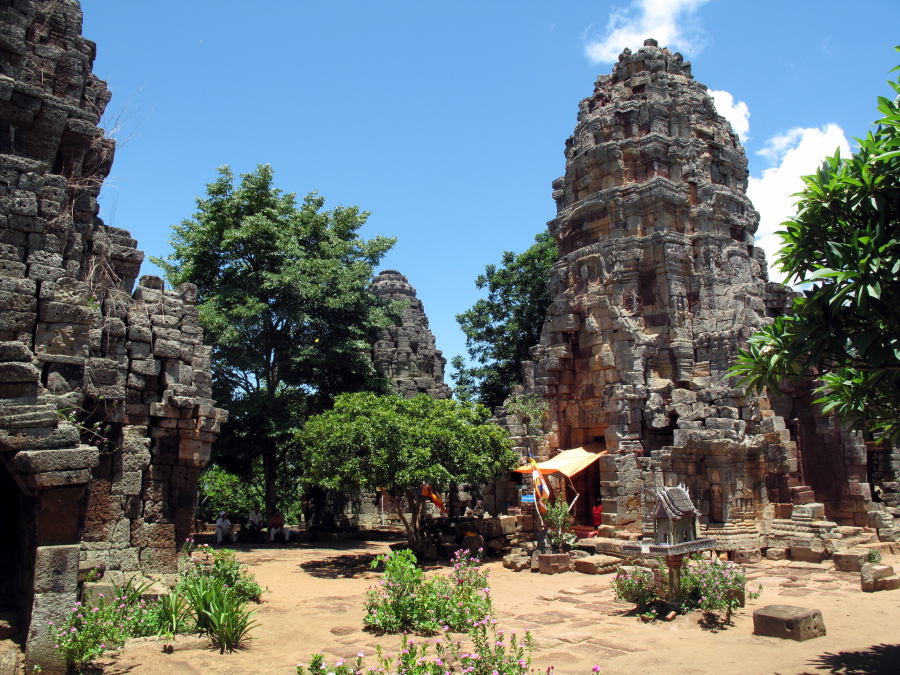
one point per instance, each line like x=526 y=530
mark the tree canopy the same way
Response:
x=845 y=242
x=501 y=328
x=400 y=444
x=283 y=297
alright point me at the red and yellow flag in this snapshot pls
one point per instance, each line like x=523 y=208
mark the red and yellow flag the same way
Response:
x=432 y=495
x=541 y=489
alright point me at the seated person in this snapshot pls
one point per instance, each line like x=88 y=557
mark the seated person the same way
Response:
x=255 y=522
x=597 y=512
x=476 y=511
x=276 y=526
x=224 y=528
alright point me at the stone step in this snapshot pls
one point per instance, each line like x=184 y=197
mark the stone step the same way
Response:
x=802 y=494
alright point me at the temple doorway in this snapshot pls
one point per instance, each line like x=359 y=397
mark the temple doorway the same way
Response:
x=17 y=550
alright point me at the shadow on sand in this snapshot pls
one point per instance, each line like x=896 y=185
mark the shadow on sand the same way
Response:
x=876 y=660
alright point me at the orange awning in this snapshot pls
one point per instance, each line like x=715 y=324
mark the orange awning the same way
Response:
x=568 y=462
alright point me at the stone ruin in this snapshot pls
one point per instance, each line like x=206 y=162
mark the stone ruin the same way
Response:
x=406 y=354
x=657 y=286
x=105 y=410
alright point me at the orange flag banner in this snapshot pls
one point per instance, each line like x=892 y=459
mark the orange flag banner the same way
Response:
x=435 y=499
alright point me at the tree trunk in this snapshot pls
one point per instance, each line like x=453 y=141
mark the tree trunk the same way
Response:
x=413 y=526
x=270 y=472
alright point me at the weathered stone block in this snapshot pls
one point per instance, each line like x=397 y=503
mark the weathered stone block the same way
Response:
x=554 y=563
x=597 y=564
x=55 y=568
x=36 y=461
x=159 y=560
x=788 y=622
x=851 y=560
x=129 y=483
x=516 y=562
x=873 y=577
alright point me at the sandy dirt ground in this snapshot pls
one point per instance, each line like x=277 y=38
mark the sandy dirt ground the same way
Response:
x=316 y=594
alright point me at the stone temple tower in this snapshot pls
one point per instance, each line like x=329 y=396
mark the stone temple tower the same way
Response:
x=406 y=353
x=657 y=286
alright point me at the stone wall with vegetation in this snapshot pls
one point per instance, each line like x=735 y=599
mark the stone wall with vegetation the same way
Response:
x=106 y=414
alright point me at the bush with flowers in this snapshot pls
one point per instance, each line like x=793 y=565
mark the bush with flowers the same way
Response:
x=219 y=564
x=490 y=651
x=635 y=585
x=715 y=587
x=405 y=601
x=210 y=597
x=89 y=629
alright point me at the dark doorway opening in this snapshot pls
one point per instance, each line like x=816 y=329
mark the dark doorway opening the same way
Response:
x=17 y=549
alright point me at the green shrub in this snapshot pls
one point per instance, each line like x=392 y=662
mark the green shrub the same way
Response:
x=461 y=597
x=714 y=587
x=636 y=587
x=560 y=535
x=90 y=629
x=492 y=652
x=229 y=622
x=87 y=632
x=404 y=600
x=873 y=556
x=222 y=564
x=171 y=615
x=396 y=604
x=202 y=593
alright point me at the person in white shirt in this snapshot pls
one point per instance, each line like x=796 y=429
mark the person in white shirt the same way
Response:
x=254 y=523
x=224 y=528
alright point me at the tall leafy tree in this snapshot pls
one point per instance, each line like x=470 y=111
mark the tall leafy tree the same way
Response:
x=283 y=297
x=845 y=329
x=402 y=444
x=501 y=328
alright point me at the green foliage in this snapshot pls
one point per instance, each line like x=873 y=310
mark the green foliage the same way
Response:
x=873 y=556
x=92 y=628
x=222 y=565
x=395 y=605
x=226 y=618
x=559 y=521
x=493 y=652
x=405 y=601
x=171 y=615
x=845 y=329
x=461 y=596
x=221 y=490
x=636 y=587
x=501 y=328
x=283 y=297
x=399 y=444
x=210 y=597
x=713 y=586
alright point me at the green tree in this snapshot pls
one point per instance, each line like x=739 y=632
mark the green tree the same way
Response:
x=501 y=328
x=400 y=444
x=283 y=297
x=845 y=329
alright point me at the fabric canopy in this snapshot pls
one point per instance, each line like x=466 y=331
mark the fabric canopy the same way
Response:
x=568 y=462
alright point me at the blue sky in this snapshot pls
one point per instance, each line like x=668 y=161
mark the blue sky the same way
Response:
x=448 y=120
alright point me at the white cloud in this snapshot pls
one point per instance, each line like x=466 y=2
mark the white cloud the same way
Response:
x=668 y=21
x=798 y=152
x=736 y=112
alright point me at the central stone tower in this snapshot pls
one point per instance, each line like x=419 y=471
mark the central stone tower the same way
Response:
x=657 y=286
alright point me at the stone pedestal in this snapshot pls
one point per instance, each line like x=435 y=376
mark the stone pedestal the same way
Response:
x=788 y=622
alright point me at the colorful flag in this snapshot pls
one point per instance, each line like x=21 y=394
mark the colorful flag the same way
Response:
x=432 y=495
x=541 y=489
